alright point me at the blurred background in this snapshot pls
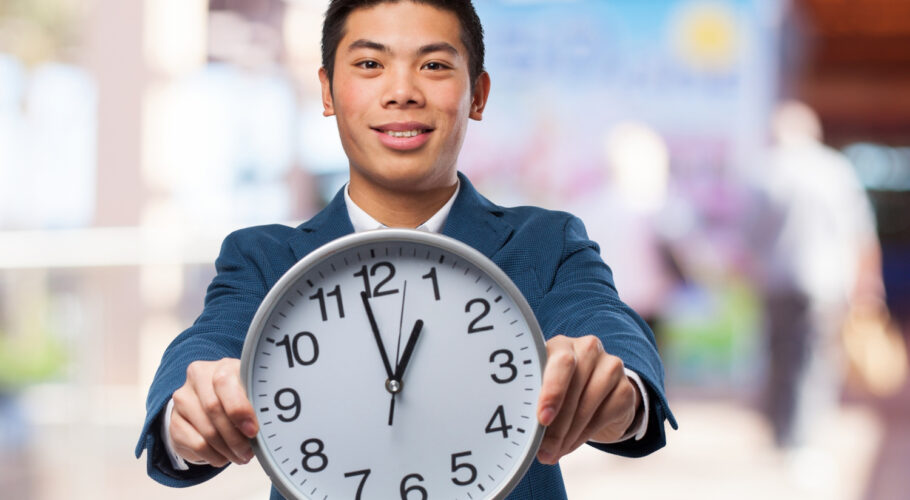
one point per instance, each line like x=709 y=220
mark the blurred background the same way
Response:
x=744 y=164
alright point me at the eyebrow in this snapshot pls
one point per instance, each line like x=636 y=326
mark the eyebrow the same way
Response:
x=424 y=50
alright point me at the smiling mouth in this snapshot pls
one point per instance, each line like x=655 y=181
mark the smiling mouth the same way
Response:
x=405 y=133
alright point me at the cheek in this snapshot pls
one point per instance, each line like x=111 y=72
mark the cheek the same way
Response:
x=349 y=106
x=456 y=105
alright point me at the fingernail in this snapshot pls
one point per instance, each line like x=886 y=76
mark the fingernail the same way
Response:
x=248 y=428
x=547 y=415
x=545 y=456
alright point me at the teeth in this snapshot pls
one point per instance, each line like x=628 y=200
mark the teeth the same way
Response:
x=404 y=133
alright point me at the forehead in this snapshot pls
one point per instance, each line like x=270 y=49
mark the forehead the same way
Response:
x=402 y=25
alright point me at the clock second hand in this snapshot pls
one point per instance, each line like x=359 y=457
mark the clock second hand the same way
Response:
x=404 y=294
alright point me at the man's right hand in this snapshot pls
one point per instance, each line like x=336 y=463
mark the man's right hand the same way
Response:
x=212 y=420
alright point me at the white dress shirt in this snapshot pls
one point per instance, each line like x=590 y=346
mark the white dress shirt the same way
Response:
x=362 y=221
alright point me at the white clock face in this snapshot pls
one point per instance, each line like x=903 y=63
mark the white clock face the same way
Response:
x=449 y=410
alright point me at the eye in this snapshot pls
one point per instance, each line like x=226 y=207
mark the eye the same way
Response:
x=435 y=66
x=368 y=64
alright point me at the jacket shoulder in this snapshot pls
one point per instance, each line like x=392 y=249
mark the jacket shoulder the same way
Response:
x=263 y=249
x=259 y=235
x=540 y=223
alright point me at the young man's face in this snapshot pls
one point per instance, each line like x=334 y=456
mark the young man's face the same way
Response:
x=402 y=95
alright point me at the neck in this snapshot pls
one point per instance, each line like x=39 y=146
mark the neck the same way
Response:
x=400 y=208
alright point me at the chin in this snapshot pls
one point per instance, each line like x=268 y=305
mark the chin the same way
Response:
x=409 y=176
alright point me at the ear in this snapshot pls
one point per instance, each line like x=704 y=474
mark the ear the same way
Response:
x=479 y=99
x=328 y=105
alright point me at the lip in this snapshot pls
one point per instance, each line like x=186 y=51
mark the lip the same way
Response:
x=403 y=143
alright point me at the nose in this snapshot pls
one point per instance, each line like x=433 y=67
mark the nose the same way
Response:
x=403 y=90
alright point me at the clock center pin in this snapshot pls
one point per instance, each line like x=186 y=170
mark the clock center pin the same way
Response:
x=393 y=386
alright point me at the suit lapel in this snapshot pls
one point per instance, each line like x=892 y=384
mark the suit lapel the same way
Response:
x=329 y=224
x=476 y=221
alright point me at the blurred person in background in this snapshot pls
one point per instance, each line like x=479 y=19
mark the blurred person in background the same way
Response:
x=630 y=217
x=817 y=256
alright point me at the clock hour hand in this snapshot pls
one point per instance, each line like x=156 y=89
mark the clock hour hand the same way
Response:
x=376 y=335
x=408 y=350
x=394 y=384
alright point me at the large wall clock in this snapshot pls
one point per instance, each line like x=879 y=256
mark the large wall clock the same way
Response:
x=395 y=364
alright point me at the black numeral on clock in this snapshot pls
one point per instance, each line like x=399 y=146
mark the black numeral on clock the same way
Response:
x=295 y=404
x=473 y=328
x=365 y=473
x=292 y=348
x=500 y=416
x=320 y=296
x=472 y=471
x=406 y=490
x=432 y=276
x=513 y=370
x=377 y=291
x=316 y=455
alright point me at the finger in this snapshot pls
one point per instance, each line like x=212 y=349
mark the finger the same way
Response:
x=237 y=424
x=607 y=374
x=189 y=444
x=201 y=408
x=611 y=421
x=188 y=406
x=237 y=407
x=220 y=431
x=557 y=375
x=587 y=351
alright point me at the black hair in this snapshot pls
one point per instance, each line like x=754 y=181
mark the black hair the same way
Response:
x=471 y=30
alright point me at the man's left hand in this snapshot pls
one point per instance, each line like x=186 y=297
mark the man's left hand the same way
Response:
x=585 y=396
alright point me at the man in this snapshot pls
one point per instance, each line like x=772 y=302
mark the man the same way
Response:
x=817 y=255
x=402 y=78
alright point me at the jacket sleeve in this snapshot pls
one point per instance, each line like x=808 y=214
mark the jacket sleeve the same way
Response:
x=582 y=300
x=230 y=304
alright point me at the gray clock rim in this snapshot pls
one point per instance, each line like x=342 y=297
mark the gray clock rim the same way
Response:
x=387 y=235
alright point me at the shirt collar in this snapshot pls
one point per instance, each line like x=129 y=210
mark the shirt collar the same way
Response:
x=363 y=221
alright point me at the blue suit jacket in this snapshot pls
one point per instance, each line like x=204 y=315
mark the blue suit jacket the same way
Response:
x=546 y=253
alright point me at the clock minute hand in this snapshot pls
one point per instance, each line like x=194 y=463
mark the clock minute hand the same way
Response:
x=408 y=350
x=376 y=335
